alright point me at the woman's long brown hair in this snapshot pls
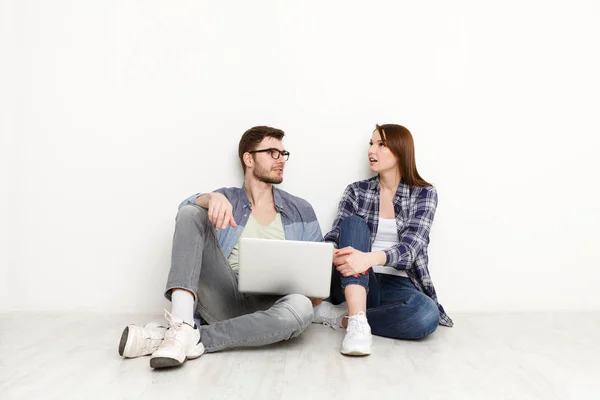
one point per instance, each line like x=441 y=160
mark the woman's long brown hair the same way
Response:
x=400 y=142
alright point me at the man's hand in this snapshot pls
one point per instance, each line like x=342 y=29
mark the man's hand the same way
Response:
x=351 y=262
x=220 y=211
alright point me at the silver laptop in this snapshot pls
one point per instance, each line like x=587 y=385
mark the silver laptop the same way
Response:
x=285 y=267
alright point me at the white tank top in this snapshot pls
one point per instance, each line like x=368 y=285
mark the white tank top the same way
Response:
x=387 y=236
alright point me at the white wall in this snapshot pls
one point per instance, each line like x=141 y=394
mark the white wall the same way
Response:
x=117 y=110
x=7 y=153
x=4 y=215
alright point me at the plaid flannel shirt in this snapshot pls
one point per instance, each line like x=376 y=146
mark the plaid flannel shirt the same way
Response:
x=414 y=208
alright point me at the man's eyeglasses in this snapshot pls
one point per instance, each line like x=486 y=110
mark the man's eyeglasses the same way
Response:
x=275 y=153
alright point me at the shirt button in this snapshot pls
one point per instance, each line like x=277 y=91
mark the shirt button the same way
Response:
x=245 y=215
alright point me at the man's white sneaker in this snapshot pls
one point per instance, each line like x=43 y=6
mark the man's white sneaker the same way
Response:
x=330 y=315
x=141 y=340
x=358 y=339
x=182 y=341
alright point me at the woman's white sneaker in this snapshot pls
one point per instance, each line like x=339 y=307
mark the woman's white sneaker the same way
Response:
x=358 y=339
x=182 y=342
x=139 y=341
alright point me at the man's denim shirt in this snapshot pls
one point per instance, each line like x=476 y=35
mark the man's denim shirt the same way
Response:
x=298 y=217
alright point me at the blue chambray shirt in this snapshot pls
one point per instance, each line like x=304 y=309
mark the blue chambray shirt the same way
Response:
x=297 y=215
x=414 y=208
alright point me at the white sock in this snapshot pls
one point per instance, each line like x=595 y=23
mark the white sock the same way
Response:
x=182 y=306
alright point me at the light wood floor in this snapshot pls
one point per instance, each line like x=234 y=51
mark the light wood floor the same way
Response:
x=485 y=356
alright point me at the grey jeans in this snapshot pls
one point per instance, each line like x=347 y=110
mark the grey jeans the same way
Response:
x=234 y=319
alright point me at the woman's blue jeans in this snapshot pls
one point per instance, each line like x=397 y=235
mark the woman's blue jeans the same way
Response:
x=395 y=307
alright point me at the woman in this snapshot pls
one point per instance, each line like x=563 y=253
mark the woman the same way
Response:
x=382 y=233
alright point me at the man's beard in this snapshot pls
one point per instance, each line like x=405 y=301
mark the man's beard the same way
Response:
x=262 y=174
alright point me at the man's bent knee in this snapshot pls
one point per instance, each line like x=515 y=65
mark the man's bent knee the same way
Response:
x=191 y=212
x=300 y=307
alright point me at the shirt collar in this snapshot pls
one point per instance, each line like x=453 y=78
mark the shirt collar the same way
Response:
x=277 y=198
x=245 y=199
x=402 y=191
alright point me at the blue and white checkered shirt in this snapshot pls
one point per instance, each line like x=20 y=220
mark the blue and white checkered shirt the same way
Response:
x=414 y=208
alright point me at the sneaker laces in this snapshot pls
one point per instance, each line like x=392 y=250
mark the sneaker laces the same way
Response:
x=331 y=317
x=331 y=324
x=150 y=345
x=175 y=325
x=356 y=323
x=152 y=340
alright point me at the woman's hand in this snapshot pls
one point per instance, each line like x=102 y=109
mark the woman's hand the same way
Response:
x=351 y=262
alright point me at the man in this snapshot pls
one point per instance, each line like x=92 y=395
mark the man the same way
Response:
x=203 y=275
